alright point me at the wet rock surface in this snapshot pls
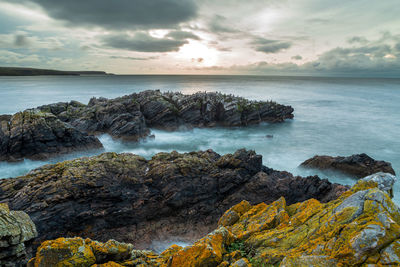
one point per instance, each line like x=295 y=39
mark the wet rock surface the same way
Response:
x=36 y=135
x=359 y=165
x=310 y=233
x=16 y=233
x=130 y=199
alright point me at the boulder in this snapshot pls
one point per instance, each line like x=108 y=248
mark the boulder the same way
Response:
x=37 y=135
x=130 y=199
x=360 y=228
x=80 y=252
x=16 y=234
x=359 y=165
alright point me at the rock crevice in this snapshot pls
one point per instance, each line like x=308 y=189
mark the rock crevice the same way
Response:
x=131 y=199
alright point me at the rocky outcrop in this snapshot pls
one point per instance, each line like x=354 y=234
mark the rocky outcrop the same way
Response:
x=120 y=117
x=129 y=116
x=16 y=233
x=131 y=199
x=359 y=165
x=64 y=127
x=360 y=228
x=36 y=135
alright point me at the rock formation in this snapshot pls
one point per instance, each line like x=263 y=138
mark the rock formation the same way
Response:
x=360 y=228
x=131 y=199
x=63 y=127
x=16 y=233
x=359 y=165
x=168 y=110
x=36 y=135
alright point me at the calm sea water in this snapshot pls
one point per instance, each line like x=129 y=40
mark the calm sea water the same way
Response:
x=333 y=116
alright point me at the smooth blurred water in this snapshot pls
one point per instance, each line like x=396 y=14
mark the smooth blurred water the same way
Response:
x=333 y=116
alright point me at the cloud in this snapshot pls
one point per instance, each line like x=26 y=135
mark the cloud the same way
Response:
x=297 y=57
x=198 y=60
x=142 y=42
x=375 y=59
x=269 y=46
x=219 y=24
x=14 y=59
x=21 y=40
x=119 y=14
x=357 y=39
x=182 y=35
x=134 y=58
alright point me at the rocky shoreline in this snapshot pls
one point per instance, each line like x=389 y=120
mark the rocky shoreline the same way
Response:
x=131 y=199
x=60 y=128
x=110 y=209
x=358 y=165
x=359 y=228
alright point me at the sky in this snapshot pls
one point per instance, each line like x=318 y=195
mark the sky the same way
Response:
x=252 y=37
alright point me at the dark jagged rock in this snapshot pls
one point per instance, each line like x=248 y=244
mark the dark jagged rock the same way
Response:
x=171 y=110
x=37 y=135
x=131 y=199
x=168 y=110
x=64 y=127
x=359 y=165
x=360 y=228
x=120 y=117
x=16 y=233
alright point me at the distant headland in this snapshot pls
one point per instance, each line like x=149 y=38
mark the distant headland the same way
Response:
x=12 y=71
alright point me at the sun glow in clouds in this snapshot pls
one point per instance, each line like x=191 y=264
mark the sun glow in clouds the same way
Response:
x=26 y=12
x=199 y=54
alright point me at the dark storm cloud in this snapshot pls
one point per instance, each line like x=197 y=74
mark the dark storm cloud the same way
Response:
x=142 y=42
x=182 y=35
x=270 y=46
x=117 y=14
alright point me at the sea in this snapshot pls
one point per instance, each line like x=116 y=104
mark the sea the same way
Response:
x=332 y=116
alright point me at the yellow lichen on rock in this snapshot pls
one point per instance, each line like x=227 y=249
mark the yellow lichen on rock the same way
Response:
x=207 y=251
x=64 y=252
x=362 y=227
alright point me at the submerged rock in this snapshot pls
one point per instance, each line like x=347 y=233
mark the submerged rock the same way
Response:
x=337 y=233
x=16 y=233
x=359 y=165
x=131 y=199
x=37 y=135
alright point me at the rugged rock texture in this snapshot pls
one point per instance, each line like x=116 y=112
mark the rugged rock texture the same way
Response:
x=37 y=135
x=167 y=111
x=359 y=165
x=16 y=232
x=120 y=117
x=64 y=127
x=360 y=228
x=131 y=199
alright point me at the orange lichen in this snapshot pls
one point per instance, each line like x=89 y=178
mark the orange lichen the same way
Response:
x=360 y=227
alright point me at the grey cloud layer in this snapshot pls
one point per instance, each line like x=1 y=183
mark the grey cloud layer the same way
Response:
x=379 y=58
x=181 y=35
x=270 y=46
x=143 y=42
x=117 y=14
